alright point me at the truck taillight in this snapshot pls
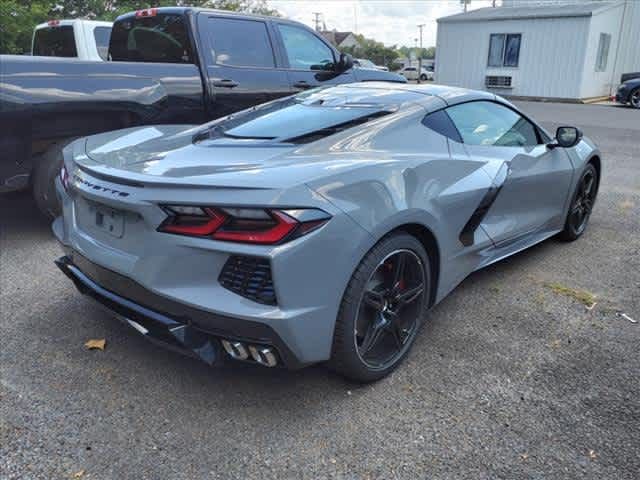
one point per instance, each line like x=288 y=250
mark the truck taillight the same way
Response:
x=147 y=12
x=243 y=225
x=53 y=23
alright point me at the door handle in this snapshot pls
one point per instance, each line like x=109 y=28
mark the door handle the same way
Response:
x=302 y=84
x=226 y=83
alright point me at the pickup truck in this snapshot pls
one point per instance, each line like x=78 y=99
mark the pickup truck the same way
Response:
x=174 y=65
x=82 y=39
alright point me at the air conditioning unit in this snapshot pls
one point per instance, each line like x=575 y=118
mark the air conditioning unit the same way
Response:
x=498 y=81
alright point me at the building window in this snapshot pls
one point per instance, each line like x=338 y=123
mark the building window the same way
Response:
x=504 y=49
x=603 y=52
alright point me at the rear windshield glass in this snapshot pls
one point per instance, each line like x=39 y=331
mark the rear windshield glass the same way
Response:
x=55 y=42
x=102 y=34
x=303 y=116
x=161 y=39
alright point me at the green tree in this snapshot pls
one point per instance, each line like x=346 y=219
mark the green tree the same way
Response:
x=377 y=52
x=19 y=17
x=428 y=53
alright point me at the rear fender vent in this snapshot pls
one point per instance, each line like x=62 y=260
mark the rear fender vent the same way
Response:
x=249 y=277
x=498 y=81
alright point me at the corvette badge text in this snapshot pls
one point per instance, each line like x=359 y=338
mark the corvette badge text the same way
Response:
x=100 y=188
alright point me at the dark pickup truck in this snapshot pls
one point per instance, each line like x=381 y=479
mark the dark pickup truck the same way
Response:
x=166 y=65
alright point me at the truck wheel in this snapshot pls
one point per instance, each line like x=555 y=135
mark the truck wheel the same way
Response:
x=46 y=169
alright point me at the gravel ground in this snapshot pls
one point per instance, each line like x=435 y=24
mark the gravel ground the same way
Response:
x=509 y=379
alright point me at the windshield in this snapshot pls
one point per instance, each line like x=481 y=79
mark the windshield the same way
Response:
x=322 y=109
x=161 y=38
x=55 y=42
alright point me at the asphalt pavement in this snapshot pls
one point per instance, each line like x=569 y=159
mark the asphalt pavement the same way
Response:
x=512 y=376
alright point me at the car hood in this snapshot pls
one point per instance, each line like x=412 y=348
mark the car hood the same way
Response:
x=167 y=154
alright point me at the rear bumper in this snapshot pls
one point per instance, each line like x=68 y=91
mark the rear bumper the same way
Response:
x=173 y=325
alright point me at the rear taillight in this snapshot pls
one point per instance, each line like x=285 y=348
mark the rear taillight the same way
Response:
x=64 y=177
x=53 y=23
x=244 y=225
x=147 y=12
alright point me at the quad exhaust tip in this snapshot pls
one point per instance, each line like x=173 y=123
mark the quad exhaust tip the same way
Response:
x=263 y=355
x=235 y=350
x=259 y=353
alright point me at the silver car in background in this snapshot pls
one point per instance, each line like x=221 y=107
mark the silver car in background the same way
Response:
x=315 y=228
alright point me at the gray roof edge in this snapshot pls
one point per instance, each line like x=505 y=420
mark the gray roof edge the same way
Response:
x=465 y=17
x=514 y=17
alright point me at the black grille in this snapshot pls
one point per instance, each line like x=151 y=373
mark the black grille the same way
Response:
x=249 y=277
x=497 y=81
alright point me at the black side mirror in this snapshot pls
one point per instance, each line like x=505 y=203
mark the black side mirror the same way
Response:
x=345 y=63
x=566 y=137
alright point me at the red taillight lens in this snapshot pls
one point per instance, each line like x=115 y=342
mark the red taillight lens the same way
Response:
x=147 y=12
x=243 y=225
x=64 y=177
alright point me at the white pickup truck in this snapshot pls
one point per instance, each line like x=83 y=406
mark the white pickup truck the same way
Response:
x=83 y=39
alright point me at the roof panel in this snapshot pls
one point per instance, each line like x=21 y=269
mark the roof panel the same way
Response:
x=582 y=9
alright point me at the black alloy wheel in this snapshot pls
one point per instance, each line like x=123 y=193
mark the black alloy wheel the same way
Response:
x=581 y=205
x=634 y=98
x=389 y=309
x=382 y=309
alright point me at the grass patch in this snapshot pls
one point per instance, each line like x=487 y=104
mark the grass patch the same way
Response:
x=582 y=296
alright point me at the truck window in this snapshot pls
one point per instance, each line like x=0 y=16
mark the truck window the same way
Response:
x=161 y=38
x=101 y=35
x=55 y=42
x=242 y=43
x=305 y=51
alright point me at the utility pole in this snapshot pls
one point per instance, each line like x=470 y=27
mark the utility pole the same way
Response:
x=316 y=20
x=421 y=26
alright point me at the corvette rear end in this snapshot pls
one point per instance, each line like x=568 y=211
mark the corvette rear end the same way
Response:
x=213 y=256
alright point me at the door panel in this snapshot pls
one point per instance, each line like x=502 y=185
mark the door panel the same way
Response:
x=532 y=189
x=241 y=65
x=531 y=182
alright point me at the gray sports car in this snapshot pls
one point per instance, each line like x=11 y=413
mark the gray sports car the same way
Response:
x=315 y=228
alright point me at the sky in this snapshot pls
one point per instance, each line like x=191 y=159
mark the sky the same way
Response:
x=392 y=22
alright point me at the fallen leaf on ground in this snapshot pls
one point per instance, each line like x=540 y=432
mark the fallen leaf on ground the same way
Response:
x=626 y=317
x=556 y=344
x=592 y=454
x=586 y=298
x=524 y=456
x=96 y=343
x=79 y=474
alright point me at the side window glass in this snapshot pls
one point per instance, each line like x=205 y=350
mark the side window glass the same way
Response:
x=487 y=123
x=305 y=51
x=240 y=43
x=441 y=123
x=101 y=35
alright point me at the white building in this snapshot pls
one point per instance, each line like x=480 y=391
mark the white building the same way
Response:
x=549 y=49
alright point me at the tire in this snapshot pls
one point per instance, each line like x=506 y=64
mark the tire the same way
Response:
x=423 y=77
x=634 y=98
x=572 y=230
x=47 y=167
x=346 y=358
